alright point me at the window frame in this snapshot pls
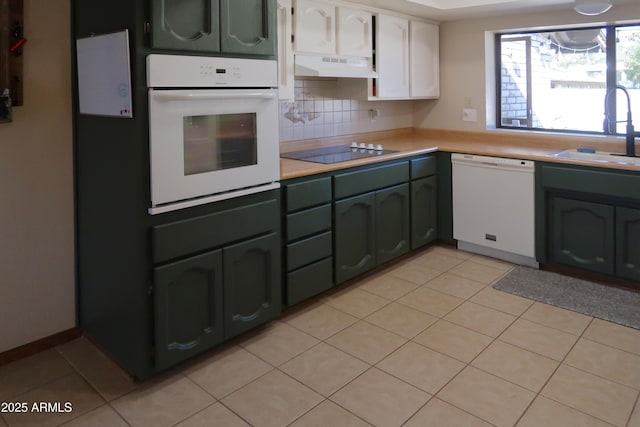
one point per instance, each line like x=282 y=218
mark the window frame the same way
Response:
x=611 y=77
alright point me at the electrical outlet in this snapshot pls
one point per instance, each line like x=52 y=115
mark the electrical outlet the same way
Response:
x=469 y=115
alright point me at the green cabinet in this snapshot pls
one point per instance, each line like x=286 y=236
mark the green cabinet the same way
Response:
x=245 y=27
x=424 y=201
x=252 y=289
x=188 y=308
x=392 y=223
x=371 y=229
x=248 y=27
x=340 y=225
x=628 y=243
x=216 y=275
x=355 y=236
x=589 y=218
x=185 y=25
x=309 y=244
x=583 y=234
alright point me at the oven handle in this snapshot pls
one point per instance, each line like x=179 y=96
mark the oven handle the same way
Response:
x=168 y=96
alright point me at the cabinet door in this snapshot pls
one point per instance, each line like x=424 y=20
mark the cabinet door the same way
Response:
x=354 y=236
x=392 y=56
x=187 y=308
x=392 y=222
x=424 y=58
x=424 y=211
x=583 y=234
x=252 y=283
x=185 y=25
x=355 y=36
x=248 y=27
x=315 y=27
x=628 y=243
x=286 y=74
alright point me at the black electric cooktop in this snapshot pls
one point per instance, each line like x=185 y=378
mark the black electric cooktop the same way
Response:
x=333 y=154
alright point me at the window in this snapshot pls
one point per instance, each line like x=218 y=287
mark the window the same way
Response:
x=558 y=80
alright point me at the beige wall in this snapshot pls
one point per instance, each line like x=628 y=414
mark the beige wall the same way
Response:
x=463 y=69
x=37 y=290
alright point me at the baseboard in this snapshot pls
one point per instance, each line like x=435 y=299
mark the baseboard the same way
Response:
x=39 y=345
x=496 y=253
x=591 y=276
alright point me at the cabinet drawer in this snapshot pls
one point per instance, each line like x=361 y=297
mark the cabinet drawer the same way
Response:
x=309 y=281
x=308 y=193
x=421 y=168
x=594 y=181
x=181 y=238
x=308 y=250
x=308 y=222
x=362 y=181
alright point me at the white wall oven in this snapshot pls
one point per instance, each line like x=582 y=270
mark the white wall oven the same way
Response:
x=213 y=129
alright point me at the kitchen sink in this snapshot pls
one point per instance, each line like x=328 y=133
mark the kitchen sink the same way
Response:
x=598 y=156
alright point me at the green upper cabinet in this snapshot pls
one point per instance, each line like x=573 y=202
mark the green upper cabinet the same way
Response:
x=628 y=243
x=185 y=25
x=246 y=27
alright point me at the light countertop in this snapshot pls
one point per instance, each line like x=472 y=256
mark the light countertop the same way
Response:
x=411 y=142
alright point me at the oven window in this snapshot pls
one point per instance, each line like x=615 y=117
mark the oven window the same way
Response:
x=221 y=141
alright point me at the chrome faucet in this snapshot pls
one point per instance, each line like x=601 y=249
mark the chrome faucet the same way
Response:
x=631 y=133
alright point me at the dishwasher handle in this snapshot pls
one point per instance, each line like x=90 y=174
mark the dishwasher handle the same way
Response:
x=491 y=162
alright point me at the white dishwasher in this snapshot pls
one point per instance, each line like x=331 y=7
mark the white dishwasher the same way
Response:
x=493 y=207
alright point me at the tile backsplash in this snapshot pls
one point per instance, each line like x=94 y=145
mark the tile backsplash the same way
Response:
x=319 y=111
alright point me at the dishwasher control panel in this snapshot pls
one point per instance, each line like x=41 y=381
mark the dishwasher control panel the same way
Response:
x=491 y=161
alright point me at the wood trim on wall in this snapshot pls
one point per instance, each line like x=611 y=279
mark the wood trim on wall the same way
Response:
x=39 y=345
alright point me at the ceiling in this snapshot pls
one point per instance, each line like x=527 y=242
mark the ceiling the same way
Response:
x=449 y=10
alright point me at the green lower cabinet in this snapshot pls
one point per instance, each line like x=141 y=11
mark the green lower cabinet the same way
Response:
x=188 y=308
x=371 y=229
x=392 y=222
x=252 y=283
x=309 y=280
x=354 y=238
x=628 y=243
x=583 y=234
x=424 y=211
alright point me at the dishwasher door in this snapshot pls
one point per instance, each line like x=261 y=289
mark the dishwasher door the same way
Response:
x=493 y=207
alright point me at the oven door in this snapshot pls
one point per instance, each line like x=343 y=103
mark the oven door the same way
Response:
x=211 y=144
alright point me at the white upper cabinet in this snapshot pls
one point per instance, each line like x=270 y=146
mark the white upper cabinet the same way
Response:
x=354 y=29
x=315 y=27
x=392 y=56
x=424 y=60
x=285 y=51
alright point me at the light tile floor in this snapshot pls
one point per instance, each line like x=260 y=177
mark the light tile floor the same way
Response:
x=426 y=342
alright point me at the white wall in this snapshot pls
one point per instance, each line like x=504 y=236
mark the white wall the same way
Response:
x=463 y=69
x=37 y=288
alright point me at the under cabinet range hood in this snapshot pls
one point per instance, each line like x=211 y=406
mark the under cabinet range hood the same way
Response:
x=333 y=66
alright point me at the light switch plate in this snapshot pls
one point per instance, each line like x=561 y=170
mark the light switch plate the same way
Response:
x=469 y=115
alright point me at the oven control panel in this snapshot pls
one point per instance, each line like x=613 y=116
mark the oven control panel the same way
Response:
x=172 y=71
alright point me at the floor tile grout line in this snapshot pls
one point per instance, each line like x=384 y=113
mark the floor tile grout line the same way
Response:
x=636 y=407
x=467 y=364
x=540 y=393
x=611 y=347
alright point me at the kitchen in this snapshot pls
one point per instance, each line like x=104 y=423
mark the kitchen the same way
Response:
x=41 y=250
